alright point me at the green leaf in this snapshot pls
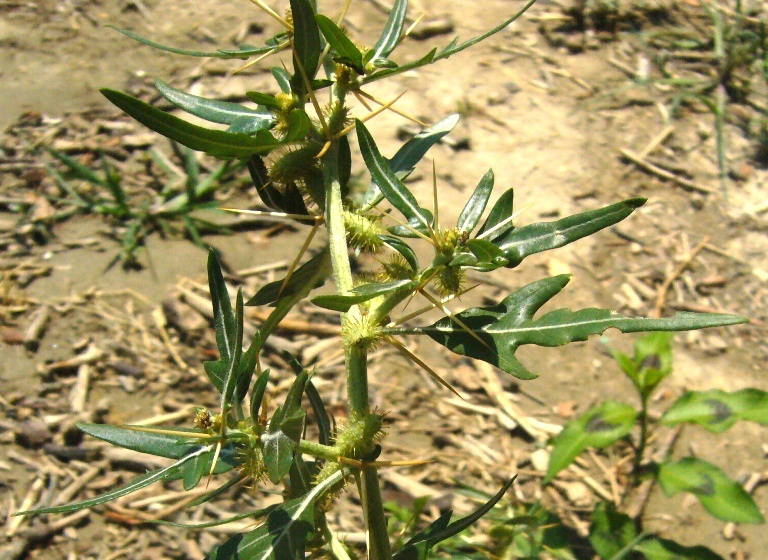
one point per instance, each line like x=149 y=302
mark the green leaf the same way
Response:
x=403 y=248
x=222 y=112
x=167 y=473
x=722 y=497
x=651 y=363
x=393 y=30
x=717 y=410
x=282 y=77
x=243 y=52
x=284 y=431
x=306 y=43
x=307 y=275
x=321 y=414
x=411 y=153
x=299 y=125
x=418 y=547
x=475 y=206
x=340 y=43
x=495 y=222
x=535 y=238
x=599 y=427
x=663 y=549
x=394 y=190
x=265 y=99
x=224 y=320
x=214 y=142
x=194 y=472
x=498 y=331
x=231 y=378
x=257 y=395
x=283 y=535
x=361 y=294
x=611 y=531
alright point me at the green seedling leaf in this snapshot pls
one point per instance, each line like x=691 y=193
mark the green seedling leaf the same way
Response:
x=495 y=222
x=651 y=363
x=78 y=168
x=722 y=497
x=410 y=154
x=598 y=427
x=404 y=249
x=284 y=533
x=417 y=548
x=306 y=43
x=311 y=274
x=498 y=331
x=213 y=110
x=213 y=142
x=393 y=30
x=535 y=238
x=663 y=549
x=717 y=410
x=475 y=206
x=257 y=395
x=243 y=52
x=611 y=532
x=361 y=294
x=383 y=175
x=282 y=77
x=346 y=50
x=168 y=473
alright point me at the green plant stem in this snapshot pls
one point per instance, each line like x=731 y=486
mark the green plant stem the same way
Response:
x=357 y=358
x=327 y=452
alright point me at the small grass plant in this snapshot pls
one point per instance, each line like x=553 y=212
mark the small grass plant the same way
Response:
x=296 y=146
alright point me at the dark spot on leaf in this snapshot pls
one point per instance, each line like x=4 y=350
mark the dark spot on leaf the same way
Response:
x=652 y=361
x=720 y=410
x=598 y=424
x=705 y=487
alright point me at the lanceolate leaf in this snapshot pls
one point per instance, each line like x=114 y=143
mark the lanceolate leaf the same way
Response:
x=475 y=206
x=283 y=78
x=167 y=473
x=231 y=379
x=348 y=53
x=503 y=328
x=417 y=548
x=390 y=36
x=243 y=52
x=282 y=536
x=360 y=294
x=214 y=142
x=720 y=496
x=404 y=249
x=717 y=410
x=394 y=189
x=411 y=153
x=223 y=112
x=307 y=275
x=501 y=211
x=598 y=427
x=223 y=317
x=535 y=238
x=306 y=41
x=257 y=396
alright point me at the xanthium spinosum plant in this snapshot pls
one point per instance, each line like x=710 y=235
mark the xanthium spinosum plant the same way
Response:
x=305 y=131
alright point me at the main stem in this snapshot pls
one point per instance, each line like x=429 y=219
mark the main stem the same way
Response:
x=356 y=357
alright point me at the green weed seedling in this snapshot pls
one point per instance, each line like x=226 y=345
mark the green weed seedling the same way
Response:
x=305 y=126
x=610 y=422
x=136 y=220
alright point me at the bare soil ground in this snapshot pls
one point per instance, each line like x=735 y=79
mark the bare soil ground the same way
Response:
x=548 y=104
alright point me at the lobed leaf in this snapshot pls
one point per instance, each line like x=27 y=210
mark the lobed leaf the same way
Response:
x=722 y=497
x=599 y=427
x=222 y=112
x=213 y=142
x=718 y=410
x=498 y=331
x=536 y=238
x=394 y=190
